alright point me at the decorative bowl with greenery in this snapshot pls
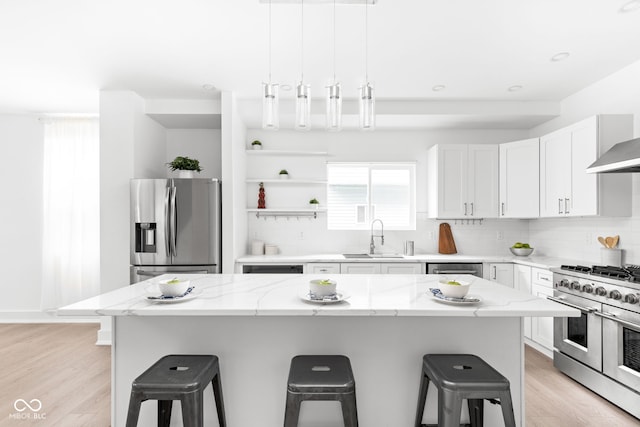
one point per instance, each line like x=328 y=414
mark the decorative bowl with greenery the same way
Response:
x=314 y=203
x=256 y=145
x=184 y=164
x=284 y=174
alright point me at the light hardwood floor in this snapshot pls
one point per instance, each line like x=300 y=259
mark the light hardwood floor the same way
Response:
x=61 y=366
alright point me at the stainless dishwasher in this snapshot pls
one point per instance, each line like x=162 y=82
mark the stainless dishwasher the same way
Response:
x=473 y=268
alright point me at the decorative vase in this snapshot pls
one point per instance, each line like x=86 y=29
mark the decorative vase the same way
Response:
x=186 y=174
x=284 y=176
x=256 y=147
x=315 y=206
x=261 y=197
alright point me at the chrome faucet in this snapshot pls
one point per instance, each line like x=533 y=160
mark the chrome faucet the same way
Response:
x=372 y=246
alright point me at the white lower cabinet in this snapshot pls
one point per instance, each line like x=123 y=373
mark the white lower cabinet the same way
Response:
x=382 y=268
x=522 y=282
x=542 y=327
x=499 y=272
x=402 y=268
x=323 y=268
x=359 y=268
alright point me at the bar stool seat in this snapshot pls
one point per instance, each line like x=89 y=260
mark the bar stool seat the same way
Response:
x=458 y=377
x=321 y=378
x=178 y=377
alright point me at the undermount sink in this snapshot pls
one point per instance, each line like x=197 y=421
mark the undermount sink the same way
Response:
x=386 y=256
x=356 y=255
x=389 y=255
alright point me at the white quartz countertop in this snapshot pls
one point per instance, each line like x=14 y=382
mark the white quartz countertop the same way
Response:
x=280 y=295
x=532 y=260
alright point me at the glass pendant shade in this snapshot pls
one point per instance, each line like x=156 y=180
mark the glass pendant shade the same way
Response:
x=367 y=106
x=334 y=107
x=270 y=117
x=303 y=107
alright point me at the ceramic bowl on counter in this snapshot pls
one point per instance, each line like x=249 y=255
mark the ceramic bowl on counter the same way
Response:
x=521 y=251
x=173 y=287
x=322 y=288
x=454 y=288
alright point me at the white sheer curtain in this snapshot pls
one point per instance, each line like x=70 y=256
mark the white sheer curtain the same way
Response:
x=71 y=232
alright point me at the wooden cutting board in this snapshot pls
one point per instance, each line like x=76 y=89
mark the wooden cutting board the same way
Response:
x=446 y=245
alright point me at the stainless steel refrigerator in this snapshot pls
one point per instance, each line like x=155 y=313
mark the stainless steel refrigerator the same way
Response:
x=175 y=227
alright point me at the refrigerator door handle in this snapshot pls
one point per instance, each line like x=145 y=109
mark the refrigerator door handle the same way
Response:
x=167 y=230
x=174 y=222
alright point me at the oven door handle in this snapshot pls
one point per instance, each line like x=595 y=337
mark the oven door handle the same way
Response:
x=438 y=271
x=611 y=316
x=585 y=310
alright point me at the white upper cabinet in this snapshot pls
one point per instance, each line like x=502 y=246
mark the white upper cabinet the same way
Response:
x=519 y=179
x=565 y=188
x=463 y=181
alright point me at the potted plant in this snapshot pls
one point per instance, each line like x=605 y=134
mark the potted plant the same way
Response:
x=284 y=174
x=185 y=166
x=314 y=203
x=256 y=145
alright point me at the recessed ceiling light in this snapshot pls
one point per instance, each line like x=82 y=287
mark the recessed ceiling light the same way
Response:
x=514 y=88
x=630 y=6
x=286 y=87
x=438 y=88
x=209 y=87
x=560 y=56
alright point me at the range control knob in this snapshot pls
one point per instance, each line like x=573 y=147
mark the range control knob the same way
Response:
x=587 y=288
x=563 y=282
x=631 y=298
x=615 y=294
x=575 y=285
x=600 y=291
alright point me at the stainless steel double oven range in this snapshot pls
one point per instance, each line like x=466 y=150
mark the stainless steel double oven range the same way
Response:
x=601 y=348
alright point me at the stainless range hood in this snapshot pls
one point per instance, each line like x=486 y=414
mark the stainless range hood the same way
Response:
x=624 y=157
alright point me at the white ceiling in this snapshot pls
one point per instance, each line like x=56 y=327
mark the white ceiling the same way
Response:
x=57 y=55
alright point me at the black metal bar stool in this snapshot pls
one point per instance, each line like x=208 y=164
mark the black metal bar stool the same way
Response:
x=321 y=378
x=178 y=377
x=463 y=376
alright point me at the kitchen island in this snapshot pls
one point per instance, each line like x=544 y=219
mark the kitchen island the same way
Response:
x=255 y=324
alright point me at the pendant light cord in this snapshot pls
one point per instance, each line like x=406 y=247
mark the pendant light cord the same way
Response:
x=366 y=40
x=269 y=41
x=334 y=41
x=302 y=41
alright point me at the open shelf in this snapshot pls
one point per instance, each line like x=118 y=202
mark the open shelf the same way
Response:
x=287 y=212
x=286 y=153
x=286 y=181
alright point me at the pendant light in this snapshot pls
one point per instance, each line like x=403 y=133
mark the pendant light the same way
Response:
x=303 y=91
x=334 y=94
x=270 y=114
x=366 y=95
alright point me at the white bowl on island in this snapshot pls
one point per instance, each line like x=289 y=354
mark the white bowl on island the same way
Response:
x=454 y=288
x=173 y=287
x=322 y=287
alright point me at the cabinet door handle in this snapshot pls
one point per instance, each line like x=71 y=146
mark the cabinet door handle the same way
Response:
x=495 y=272
x=560 y=206
x=502 y=208
x=471 y=208
x=566 y=204
x=465 y=209
x=322 y=270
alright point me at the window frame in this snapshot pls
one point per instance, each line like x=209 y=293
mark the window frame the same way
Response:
x=369 y=207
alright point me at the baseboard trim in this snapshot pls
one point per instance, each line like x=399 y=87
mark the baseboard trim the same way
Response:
x=539 y=348
x=37 y=316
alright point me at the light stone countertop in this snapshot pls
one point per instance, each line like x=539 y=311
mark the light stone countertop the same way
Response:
x=280 y=295
x=532 y=260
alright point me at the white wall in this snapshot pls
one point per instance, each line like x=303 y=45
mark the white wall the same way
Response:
x=131 y=145
x=234 y=215
x=201 y=144
x=575 y=238
x=21 y=149
x=307 y=236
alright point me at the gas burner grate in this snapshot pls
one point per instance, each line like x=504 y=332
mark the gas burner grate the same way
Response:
x=610 y=271
x=580 y=268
